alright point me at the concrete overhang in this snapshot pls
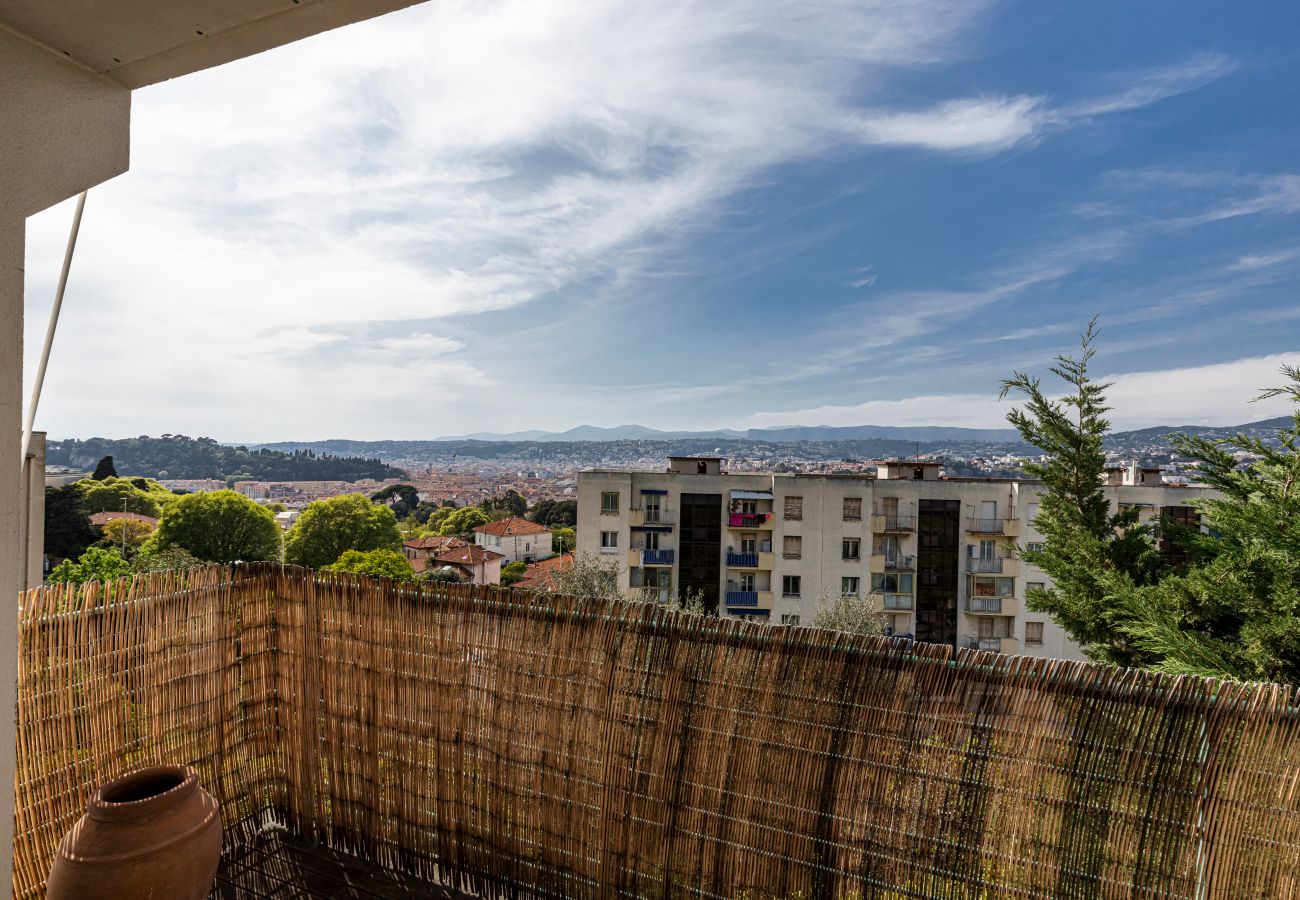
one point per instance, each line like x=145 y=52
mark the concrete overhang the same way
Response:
x=139 y=42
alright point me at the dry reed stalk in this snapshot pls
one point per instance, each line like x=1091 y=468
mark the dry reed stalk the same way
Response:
x=530 y=744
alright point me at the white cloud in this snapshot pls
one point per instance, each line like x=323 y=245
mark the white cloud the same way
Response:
x=453 y=159
x=1216 y=394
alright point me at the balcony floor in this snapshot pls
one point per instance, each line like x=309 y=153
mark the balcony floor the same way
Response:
x=280 y=866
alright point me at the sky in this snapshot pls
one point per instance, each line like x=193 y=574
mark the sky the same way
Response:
x=498 y=216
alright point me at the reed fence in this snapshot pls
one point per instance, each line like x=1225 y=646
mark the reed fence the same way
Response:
x=522 y=744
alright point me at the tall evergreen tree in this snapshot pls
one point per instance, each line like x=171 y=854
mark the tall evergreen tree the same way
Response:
x=104 y=469
x=1087 y=548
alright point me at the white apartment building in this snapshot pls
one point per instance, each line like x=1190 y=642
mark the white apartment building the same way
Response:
x=517 y=539
x=937 y=555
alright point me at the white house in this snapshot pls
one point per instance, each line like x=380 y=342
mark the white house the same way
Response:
x=519 y=540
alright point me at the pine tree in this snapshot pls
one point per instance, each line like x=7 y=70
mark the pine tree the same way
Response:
x=1088 y=550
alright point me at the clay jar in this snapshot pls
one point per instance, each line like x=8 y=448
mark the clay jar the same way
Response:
x=151 y=833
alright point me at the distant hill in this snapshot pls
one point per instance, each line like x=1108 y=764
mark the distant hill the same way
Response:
x=178 y=456
x=780 y=435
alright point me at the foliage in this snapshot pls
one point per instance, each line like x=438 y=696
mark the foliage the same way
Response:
x=114 y=494
x=165 y=560
x=853 y=614
x=104 y=469
x=446 y=574
x=385 y=563
x=96 y=564
x=564 y=540
x=463 y=521
x=509 y=504
x=591 y=577
x=1235 y=611
x=513 y=573
x=1088 y=550
x=435 y=518
x=402 y=499
x=555 y=513
x=125 y=535
x=184 y=457
x=328 y=528
x=219 y=526
x=68 y=531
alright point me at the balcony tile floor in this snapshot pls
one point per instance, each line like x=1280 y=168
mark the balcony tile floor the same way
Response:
x=278 y=866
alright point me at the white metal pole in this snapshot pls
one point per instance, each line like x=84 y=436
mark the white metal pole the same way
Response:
x=49 y=331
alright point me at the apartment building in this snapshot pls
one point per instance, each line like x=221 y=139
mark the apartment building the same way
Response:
x=938 y=556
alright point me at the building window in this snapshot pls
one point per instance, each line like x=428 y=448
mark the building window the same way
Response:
x=609 y=503
x=849 y=586
x=748 y=507
x=748 y=543
x=793 y=547
x=852 y=509
x=891 y=583
x=652 y=540
x=1033 y=632
x=1035 y=586
x=1034 y=546
x=789 y=618
x=790 y=585
x=608 y=540
x=747 y=582
x=794 y=509
x=851 y=548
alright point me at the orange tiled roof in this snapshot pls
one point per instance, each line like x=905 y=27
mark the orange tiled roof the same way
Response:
x=435 y=542
x=513 y=526
x=540 y=575
x=467 y=555
x=103 y=518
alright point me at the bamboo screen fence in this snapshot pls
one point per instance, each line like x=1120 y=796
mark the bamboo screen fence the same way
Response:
x=522 y=744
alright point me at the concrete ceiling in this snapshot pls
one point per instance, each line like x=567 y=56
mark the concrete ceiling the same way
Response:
x=140 y=42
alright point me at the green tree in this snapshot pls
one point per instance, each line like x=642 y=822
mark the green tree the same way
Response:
x=385 y=563
x=555 y=513
x=1234 y=611
x=114 y=494
x=1088 y=550
x=155 y=560
x=219 y=526
x=511 y=503
x=563 y=540
x=402 y=499
x=104 y=469
x=68 y=531
x=591 y=577
x=444 y=575
x=513 y=573
x=126 y=536
x=96 y=564
x=856 y=615
x=328 y=528
x=463 y=521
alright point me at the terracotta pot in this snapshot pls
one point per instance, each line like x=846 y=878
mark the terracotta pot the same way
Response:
x=151 y=833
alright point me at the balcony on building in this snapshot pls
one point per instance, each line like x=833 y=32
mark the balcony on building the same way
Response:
x=751 y=559
x=640 y=515
x=751 y=510
x=656 y=557
x=992 y=606
x=998 y=565
x=756 y=599
x=884 y=562
x=1007 y=525
x=1006 y=645
x=892 y=602
x=893 y=523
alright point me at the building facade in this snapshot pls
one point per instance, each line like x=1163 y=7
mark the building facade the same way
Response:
x=516 y=538
x=938 y=556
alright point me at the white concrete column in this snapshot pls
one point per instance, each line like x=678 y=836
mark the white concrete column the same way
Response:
x=11 y=386
x=62 y=130
x=33 y=538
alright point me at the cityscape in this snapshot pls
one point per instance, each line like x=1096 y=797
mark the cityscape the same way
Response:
x=704 y=449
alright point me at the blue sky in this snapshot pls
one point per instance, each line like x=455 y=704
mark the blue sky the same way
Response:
x=501 y=216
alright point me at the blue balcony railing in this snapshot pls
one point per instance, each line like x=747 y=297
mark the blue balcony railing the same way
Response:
x=742 y=598
x=656 y=557
x=743 y=560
